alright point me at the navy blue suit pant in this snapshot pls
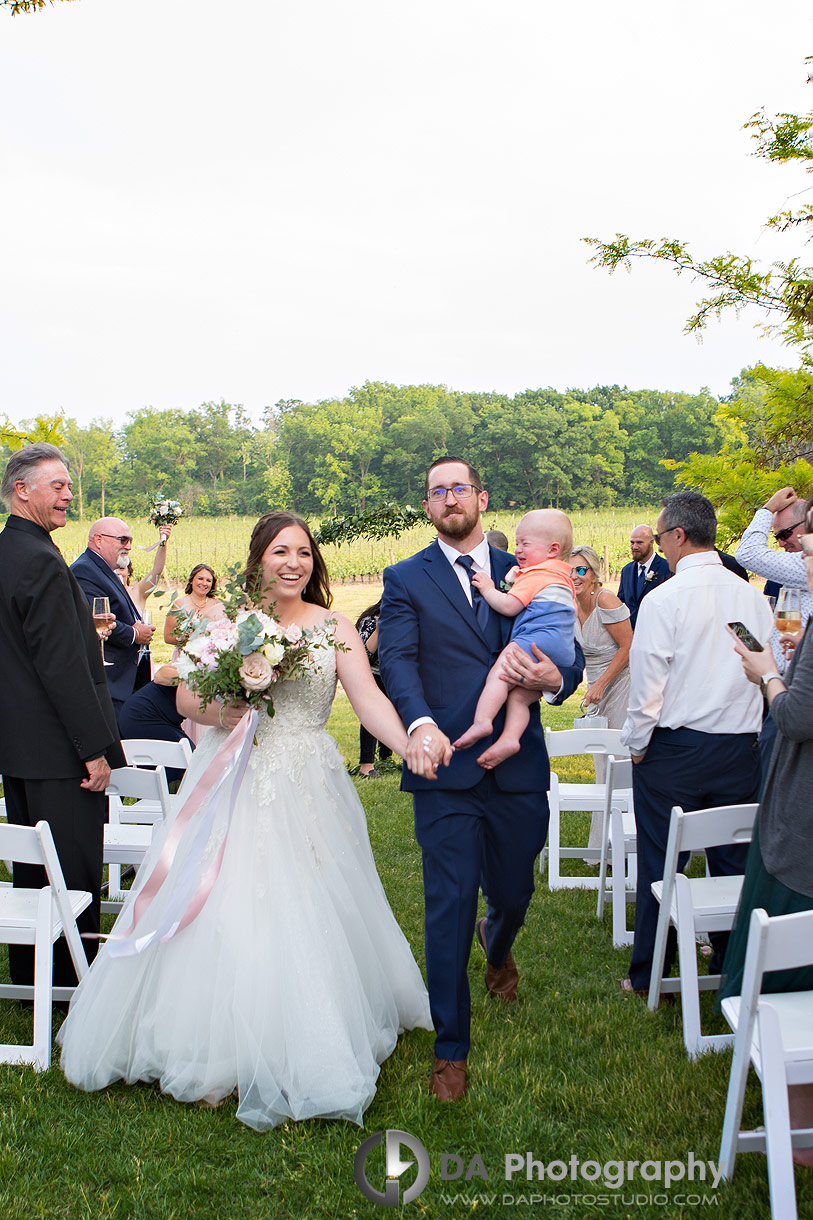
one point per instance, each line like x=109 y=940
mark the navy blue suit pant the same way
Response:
x=696 y=771
x=475 y=836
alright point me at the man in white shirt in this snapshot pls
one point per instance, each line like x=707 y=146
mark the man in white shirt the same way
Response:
x=693 y=716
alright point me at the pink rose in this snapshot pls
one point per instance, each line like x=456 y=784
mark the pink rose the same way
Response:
x=255 y=672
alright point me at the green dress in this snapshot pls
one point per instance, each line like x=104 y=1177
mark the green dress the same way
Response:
x=788 y=800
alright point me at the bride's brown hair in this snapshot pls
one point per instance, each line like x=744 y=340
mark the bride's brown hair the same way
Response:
x=317 y=590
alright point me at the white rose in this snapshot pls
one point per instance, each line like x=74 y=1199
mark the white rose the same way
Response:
x=274 y=652
x=184 y=665
x=255 y=672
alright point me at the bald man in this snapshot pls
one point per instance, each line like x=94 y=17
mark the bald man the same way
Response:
x=127 y=649
x=647 y=570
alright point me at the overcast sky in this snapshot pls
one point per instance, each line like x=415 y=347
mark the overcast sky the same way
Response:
x=264 y=200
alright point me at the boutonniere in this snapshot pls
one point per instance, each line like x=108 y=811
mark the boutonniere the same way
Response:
x=510 y=577
x=650 y=577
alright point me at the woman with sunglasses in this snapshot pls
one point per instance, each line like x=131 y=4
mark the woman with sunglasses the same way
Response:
x=604 y=632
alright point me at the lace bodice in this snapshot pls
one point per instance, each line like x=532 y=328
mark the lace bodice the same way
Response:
x=302 y=703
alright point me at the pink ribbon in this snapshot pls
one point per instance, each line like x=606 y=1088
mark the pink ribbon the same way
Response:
x=184 y=903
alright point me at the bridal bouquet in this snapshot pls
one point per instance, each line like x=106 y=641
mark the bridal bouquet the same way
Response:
x=165 y=512
x=245 y=655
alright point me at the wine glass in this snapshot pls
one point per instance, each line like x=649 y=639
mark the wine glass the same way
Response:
x=102 y=618
x=789 y=611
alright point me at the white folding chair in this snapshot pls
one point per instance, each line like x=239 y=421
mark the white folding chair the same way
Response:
x=774 y=1032
x=38 y=917
x=619 y=849
x=696 y=905
x=576 y=798
x=151 y=752
x=146 y=752
x=128 y=832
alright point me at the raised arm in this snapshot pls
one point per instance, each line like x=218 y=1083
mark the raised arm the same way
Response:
x=755 y=554
x=145 y=586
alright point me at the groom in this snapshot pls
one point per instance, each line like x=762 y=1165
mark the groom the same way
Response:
x=437 y=641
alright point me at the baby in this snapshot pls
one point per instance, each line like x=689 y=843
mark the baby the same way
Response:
x=541 y=596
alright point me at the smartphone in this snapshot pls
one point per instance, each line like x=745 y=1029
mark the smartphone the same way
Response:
x=750 y=641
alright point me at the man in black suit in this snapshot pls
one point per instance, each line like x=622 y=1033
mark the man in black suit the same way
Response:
x=647 y=570
x=109 y=543
x=58 y=736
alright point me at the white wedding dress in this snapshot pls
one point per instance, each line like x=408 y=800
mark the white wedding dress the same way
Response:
x=293 y=983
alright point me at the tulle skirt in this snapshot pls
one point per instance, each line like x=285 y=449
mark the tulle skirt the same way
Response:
x=290 y=987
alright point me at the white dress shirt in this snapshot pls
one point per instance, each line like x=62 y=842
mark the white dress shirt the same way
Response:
x=481 y=557
x=684 y=672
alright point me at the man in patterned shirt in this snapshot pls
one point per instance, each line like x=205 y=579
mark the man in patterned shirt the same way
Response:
x=785 y=512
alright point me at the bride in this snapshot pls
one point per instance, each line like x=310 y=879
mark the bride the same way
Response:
x=292 y=984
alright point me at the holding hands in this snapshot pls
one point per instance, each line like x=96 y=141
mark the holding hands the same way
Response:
x=427 y=749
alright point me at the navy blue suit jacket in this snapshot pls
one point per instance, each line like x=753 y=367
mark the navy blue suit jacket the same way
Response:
x=628 y=589
x=434 y=659
x=98 y=579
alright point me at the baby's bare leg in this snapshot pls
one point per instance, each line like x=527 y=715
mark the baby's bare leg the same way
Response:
x=492 y=697
x=517 y=715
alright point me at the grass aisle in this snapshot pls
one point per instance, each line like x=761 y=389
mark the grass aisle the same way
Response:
x=573 y=1069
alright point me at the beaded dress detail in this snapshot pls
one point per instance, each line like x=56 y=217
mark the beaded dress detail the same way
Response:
x=291 y=986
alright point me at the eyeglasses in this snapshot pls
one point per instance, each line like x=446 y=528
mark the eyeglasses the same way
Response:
x=579 y=571
x=460 y=491
x=658 y=537
x=122 y=538
x=783 y=535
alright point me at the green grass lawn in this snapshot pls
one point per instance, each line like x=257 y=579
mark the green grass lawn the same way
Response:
x=575 y=1068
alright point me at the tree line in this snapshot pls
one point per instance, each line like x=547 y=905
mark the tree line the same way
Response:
x=575 y=449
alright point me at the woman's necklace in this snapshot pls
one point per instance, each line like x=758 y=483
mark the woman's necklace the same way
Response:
x=199 y=606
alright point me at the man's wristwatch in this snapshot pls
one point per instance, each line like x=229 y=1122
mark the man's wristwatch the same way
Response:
x=765 y=679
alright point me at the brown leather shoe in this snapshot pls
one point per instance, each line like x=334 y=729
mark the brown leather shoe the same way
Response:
x=449 y=1081
x=501 y=981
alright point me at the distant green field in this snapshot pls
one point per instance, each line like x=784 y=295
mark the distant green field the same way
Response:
x=223 y=541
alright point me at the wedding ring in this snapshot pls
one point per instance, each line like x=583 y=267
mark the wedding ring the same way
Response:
x=522 y=677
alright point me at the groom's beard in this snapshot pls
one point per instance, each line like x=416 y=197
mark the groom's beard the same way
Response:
x=457 y=522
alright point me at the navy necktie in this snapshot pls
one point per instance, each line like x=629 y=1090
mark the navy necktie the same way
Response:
x=478 y=603
x=641 y=578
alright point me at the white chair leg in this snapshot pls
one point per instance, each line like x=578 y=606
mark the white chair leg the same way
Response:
x=687 y=951
x=602 y=872
x=621 y=935
x=43 y=969
x=776 y=1109
x=554 y=840
x=659 y=954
